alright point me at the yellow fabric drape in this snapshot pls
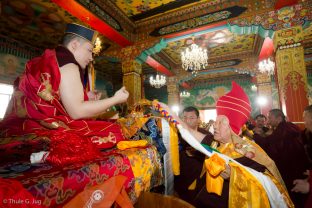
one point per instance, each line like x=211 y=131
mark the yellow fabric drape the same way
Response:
x=122 y=145
x=214 y=166
x=143 y=167
x=129 y=126
x=91 y=76
x=229 y=150
x=174 y=149
x=239 y=191
x=246 y=190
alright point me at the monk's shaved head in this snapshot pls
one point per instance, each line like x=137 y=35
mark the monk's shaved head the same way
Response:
x=307 y=117
x=70 y=37
x=308 y=109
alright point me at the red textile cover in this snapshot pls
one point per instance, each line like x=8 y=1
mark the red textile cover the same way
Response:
x=67 y=148
x=236 y=106
x=103 y=195
x=37 y=107
x=54 y=186
x=13 y=194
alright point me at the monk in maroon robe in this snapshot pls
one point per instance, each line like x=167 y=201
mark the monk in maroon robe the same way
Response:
x=304 y=186
x=191 y=160
x=285 y=148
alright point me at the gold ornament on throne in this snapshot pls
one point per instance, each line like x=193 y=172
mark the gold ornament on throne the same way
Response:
x=138 y=116
x=140 y=108
x=45 y=89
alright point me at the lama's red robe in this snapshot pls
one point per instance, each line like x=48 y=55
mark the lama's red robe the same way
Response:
x=36 y=107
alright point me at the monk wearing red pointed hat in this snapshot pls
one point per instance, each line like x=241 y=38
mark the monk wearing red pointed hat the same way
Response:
x=233 y=110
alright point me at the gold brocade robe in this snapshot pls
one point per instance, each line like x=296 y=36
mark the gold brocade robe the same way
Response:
x=244 y=189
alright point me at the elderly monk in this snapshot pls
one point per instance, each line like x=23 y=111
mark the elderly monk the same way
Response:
x=230 y=186
x=233 y=110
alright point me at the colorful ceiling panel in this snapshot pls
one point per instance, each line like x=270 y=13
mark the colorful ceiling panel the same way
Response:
x=308 y=32
x=39 y=23
x=238 y=44
x=34 y=22
x=220 y=43
x=137 y=10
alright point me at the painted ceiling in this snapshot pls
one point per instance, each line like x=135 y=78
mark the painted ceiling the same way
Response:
x=234 y=44
x=143 y=9
x=137 y=10
x=40 y=23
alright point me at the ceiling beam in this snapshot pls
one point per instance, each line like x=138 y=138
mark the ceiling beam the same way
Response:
x=77 y=10
x=267 y=49
x=159 y=67
x=283 y=3
x=195 y=31
x=186 y=86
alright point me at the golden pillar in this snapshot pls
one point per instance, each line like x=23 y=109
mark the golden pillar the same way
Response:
x=132 y=71
x=173 y=91
x=291 y=72
x=264 y=88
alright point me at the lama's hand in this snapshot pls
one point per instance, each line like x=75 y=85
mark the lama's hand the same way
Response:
x=226 y=173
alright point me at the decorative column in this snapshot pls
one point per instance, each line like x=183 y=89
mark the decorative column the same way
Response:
x=264 y=88
x=131 y=68
x=143 y=77
x=291 y=72
x=173 y=91
x=132 y=71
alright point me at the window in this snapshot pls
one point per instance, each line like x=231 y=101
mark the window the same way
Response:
x=206 y=115
x=6 y=92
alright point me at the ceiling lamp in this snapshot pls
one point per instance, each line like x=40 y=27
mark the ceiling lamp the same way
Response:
x=185 y=94
x=97 y=46
x=194 y=58
x=254 y=88
x=158 y=82
x=266 y=66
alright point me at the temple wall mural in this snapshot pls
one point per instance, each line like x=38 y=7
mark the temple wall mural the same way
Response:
x=104 y=86
x=152 y=93
x=206 y=96
x=310 y=87
x=11 y=67
x=13 y=57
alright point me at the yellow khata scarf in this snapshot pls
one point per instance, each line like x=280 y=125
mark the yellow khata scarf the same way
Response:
x=122 y=145
x=245 y=189
x=174 y=149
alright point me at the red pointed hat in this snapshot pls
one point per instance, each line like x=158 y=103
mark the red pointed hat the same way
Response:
x=236 y=106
